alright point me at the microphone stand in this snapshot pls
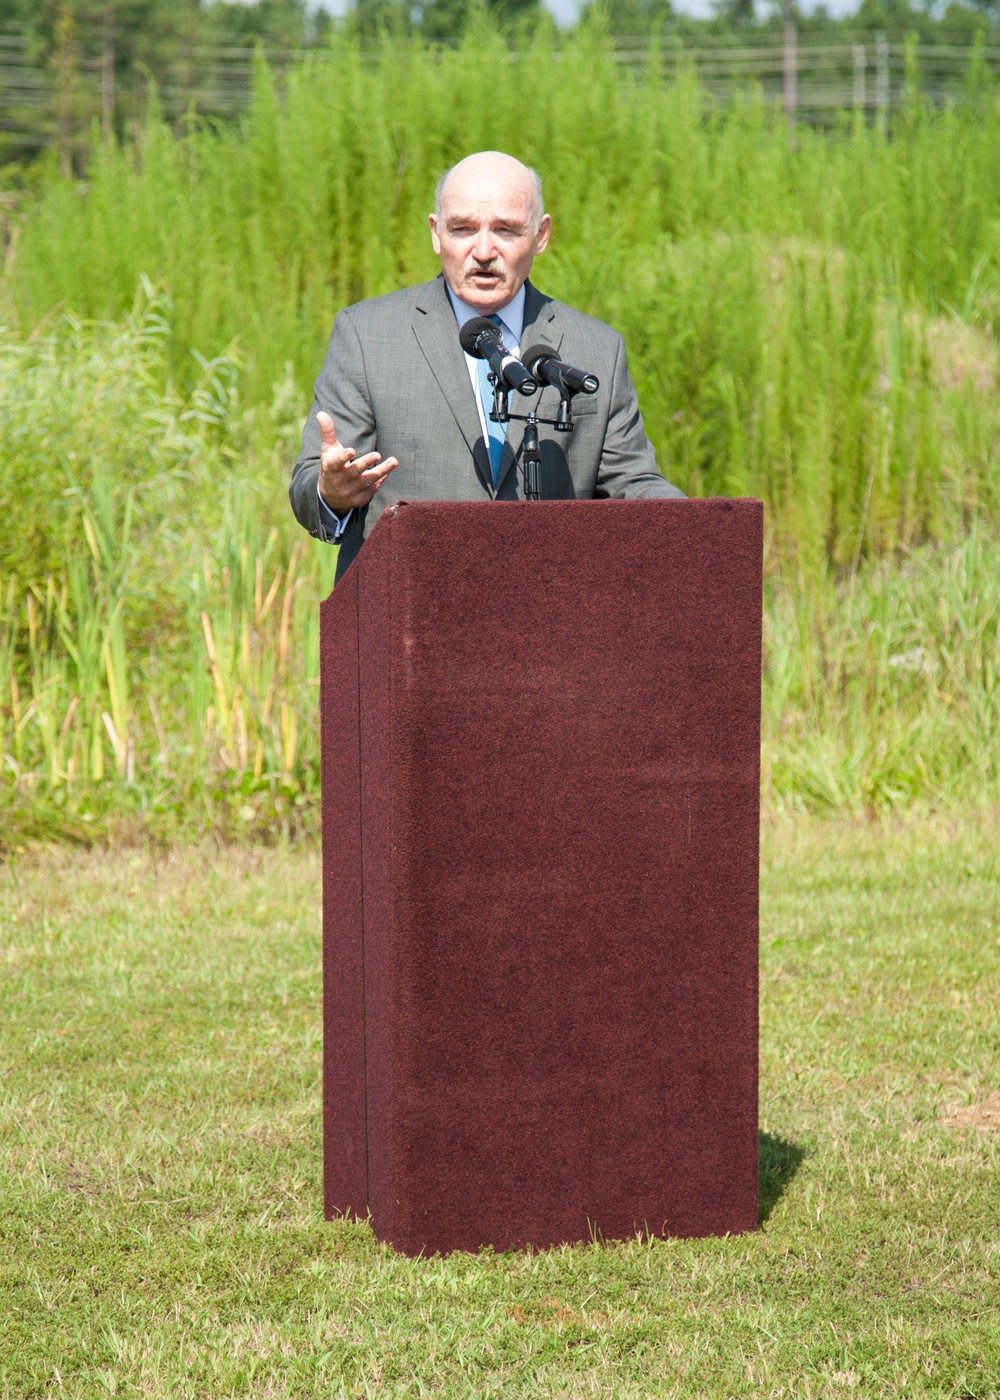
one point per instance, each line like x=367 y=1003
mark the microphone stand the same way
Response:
x=530 y=455
x=531 y=459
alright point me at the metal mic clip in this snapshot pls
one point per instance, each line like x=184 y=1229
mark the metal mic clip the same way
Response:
x=500 y=412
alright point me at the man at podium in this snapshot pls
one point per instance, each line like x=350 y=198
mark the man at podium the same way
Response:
x=401 y=411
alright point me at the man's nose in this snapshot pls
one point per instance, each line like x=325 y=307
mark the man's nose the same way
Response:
x=484 y=247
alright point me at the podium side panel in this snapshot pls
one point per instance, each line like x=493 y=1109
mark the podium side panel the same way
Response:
x=576 y=713
x=345 y=1187
x=374 y=568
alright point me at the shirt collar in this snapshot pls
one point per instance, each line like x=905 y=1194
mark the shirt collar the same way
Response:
x=512 y=315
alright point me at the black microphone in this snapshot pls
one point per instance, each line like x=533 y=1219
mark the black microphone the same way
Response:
x=483 y=339
x=544 y=365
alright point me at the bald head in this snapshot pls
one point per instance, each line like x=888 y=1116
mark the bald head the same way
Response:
x=487 y=227
x=495 y=174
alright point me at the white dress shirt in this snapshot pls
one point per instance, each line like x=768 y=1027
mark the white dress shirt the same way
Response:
x=511 y=324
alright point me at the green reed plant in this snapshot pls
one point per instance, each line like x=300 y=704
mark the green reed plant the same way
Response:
x=151 y=631
x=220 y=712
x=883 y=689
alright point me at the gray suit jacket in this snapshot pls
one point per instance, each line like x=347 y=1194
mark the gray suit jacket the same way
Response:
x=396 y=381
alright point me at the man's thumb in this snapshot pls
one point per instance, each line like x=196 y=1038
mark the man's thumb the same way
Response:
x=327 y=428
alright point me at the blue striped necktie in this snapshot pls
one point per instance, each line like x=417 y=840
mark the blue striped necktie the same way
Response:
x=496 y=432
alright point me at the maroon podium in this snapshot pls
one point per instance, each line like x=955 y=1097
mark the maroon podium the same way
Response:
x=541 y=748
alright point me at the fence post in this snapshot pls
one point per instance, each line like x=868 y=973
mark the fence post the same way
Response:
x=65 y=64
x=107 y=71
x=791 y=62
x=859 y=76
x=881 y=76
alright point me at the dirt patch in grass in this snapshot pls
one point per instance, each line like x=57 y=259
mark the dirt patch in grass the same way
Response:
x=984 y=1117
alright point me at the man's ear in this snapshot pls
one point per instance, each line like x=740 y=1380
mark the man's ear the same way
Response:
x=542 y=236
x=435 y=240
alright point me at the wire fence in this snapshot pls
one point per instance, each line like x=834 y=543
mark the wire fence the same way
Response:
x=57 y=100
x=813 y=75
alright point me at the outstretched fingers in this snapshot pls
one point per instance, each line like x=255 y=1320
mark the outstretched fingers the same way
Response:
x=346 y=480
x=376 y=474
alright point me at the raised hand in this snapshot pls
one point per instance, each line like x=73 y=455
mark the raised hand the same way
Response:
x=347 y=481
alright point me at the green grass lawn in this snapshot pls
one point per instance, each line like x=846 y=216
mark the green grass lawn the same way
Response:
x=160 y=1226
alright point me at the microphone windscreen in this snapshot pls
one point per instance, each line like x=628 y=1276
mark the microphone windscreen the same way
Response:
x=470 y=336
x=531 y=357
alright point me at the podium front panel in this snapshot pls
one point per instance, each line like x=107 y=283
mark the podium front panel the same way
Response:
x=541 y=811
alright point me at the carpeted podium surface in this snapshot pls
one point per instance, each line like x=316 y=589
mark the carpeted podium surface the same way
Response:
x=541 y=798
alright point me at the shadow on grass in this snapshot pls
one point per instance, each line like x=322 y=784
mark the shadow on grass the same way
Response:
x=777 y=1162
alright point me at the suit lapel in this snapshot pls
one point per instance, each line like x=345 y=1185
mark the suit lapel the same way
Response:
x=541 y=327
x=541 y=323
x=437 y=335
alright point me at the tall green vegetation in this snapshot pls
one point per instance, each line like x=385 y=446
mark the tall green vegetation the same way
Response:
x=811 y=318
x=155 y=634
